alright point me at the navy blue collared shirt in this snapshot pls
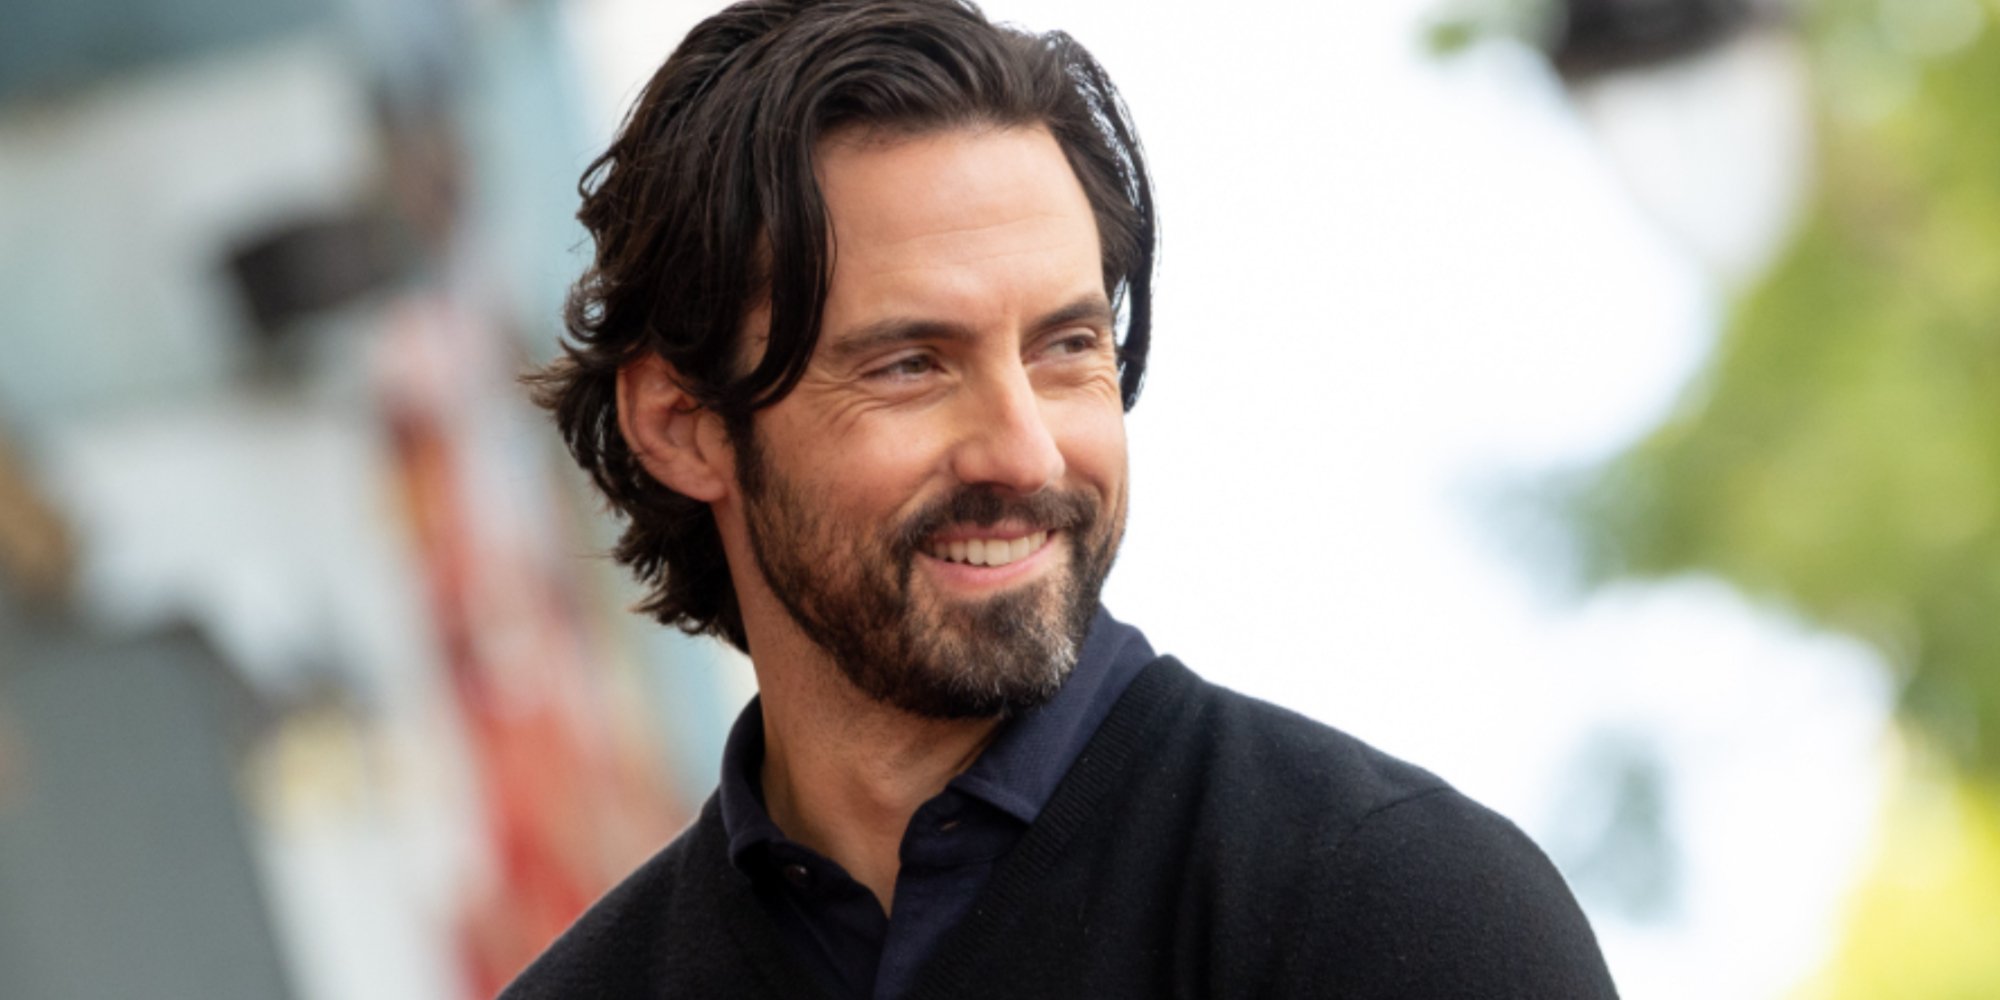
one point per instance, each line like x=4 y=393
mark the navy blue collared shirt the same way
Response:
x=833 y=922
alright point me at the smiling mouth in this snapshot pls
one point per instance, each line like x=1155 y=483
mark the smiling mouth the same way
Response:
x=987 y=551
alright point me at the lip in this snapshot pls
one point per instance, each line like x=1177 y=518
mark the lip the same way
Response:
x=965 y=576
x=1006 y=531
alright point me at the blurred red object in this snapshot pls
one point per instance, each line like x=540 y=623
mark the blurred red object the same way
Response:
x=573 y=795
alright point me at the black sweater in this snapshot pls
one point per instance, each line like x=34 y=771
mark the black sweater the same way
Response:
x=1205 y=844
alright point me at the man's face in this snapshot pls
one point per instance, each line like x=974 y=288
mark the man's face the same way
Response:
x=939 y=500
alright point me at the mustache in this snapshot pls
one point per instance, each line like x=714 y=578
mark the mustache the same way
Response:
x=1050 y=510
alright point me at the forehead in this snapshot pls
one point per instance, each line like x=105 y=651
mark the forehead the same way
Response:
x=987 y=219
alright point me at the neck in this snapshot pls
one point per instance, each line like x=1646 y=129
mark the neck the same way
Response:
x=843 y=774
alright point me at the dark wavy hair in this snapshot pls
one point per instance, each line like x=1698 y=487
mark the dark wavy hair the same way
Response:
x=706 y=206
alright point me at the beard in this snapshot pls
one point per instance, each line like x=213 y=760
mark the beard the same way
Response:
x=851 y=592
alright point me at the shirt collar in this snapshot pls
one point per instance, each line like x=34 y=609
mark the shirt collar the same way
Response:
x=744 y=817
x=1022 y=766
x=1016 y=773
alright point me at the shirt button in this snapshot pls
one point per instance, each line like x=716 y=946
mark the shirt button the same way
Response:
x=797 y=875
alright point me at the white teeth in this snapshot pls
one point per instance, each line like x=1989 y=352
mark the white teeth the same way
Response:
x=989 y=551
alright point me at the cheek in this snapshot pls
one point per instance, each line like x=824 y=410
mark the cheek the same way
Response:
x=877 y=475
x=847 y=456
x=1094 y=447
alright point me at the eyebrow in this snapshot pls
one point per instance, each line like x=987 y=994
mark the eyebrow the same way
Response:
x=896 y=330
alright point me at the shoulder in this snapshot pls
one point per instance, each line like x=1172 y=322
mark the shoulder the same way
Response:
x=625 y=943
x=1260 y=760
x=1390 y=882
x=1436 y=895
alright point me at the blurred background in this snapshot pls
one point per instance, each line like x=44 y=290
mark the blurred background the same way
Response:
x=1595 y=401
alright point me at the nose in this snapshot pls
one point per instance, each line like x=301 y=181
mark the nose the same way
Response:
x=1007 y=440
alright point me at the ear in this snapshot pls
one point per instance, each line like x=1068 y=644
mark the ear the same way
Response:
x=678 y=441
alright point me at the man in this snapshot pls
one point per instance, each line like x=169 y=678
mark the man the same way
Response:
x=871 y=296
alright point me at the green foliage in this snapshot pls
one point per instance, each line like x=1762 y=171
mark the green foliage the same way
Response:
x=1841 y=454
x=1460 y=25
x=1923 y=922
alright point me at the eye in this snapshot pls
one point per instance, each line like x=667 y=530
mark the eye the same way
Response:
x=906 y=367
x=1076 y=342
